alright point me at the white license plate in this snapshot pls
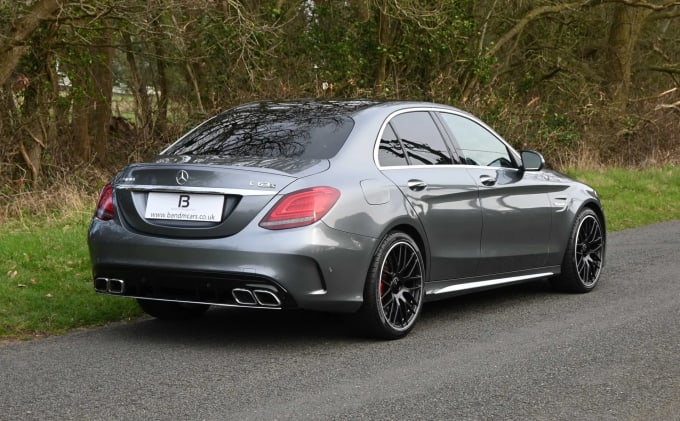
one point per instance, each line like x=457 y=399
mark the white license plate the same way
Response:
x=184 y=206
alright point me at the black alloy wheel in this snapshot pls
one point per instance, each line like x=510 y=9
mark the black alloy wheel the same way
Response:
x=584 y=257
x=394 y=290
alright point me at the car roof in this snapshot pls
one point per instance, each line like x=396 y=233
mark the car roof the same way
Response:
x=344 y=107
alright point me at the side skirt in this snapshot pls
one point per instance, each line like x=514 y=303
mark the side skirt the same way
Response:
x=442 y=289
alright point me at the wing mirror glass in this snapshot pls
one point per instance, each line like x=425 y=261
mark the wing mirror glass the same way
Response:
x=532 y=161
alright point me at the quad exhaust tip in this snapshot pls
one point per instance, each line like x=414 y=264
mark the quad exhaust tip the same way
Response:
x=266 y=298
x=242 y=296
x=257 y=297
x=109 y=285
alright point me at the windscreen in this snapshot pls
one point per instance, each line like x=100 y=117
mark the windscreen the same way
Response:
x=269 y=130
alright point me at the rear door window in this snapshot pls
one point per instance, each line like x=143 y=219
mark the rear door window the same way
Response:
x=421 y=139
x=390 y=151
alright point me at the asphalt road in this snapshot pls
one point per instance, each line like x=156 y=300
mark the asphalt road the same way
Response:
x=518 y=353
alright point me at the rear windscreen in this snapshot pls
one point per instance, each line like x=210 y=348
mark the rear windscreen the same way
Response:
x=268 y=131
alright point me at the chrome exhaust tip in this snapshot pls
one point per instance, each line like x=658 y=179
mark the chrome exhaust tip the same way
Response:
x=266 y=298
x=243 y=297
x=116 y=286
x=101 y=284
x=109 y=286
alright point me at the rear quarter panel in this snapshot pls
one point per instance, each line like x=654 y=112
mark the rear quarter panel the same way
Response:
x=567 y=204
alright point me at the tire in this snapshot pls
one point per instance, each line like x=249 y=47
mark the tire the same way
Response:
x=394 y=290
x=168 y=310
x=584 y=256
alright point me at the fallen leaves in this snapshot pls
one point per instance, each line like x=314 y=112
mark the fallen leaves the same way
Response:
x=32 y=282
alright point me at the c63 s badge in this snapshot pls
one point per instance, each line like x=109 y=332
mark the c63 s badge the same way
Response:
x=262 y=184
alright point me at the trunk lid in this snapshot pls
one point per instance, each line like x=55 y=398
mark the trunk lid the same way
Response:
x=202 y=196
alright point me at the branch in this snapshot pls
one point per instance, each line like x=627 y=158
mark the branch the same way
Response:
x=657 y=96
x=35 y=138
x=534 y=14
x=667 y=15
x=644 y=4
x=29 y=162
x=541 y=11
x=675 y=106
x=23 y=29
x=674 y=69
x=516 y=30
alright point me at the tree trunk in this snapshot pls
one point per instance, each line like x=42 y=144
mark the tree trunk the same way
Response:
x=32 y=154
x=12 y=47
x=623 y=37
x=102 y=76
x=191 y=77
x=383 y=41
x=9 y=117
x=81 y=128
x=162 y=87
x=143 y=106
x=80 y=111
x=33 y=136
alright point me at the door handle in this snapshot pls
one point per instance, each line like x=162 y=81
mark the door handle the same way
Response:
x=487 y=180
x=416 y=185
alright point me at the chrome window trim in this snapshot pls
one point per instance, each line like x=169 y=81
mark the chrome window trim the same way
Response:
x=485 y=126
x=459 y=113
x=468 y=166
x=206 y=190
x=376 y=144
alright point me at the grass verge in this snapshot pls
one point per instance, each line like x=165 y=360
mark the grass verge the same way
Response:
x=46 y=286
x=45 y=280
x=633 y=198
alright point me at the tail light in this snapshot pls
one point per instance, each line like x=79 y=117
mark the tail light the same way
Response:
x=105 y=210
x=300 y=208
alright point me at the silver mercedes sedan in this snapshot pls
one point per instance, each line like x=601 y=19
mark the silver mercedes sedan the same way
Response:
x=354 y=206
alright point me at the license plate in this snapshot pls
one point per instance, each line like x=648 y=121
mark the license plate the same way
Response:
x=184 y=206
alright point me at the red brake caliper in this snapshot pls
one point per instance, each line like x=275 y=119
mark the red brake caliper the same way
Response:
x=385 y=271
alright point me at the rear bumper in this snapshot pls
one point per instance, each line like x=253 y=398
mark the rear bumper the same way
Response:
x=230 y=290
x=314 y=267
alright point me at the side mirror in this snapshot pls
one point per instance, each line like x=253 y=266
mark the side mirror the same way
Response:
x=532 y=161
